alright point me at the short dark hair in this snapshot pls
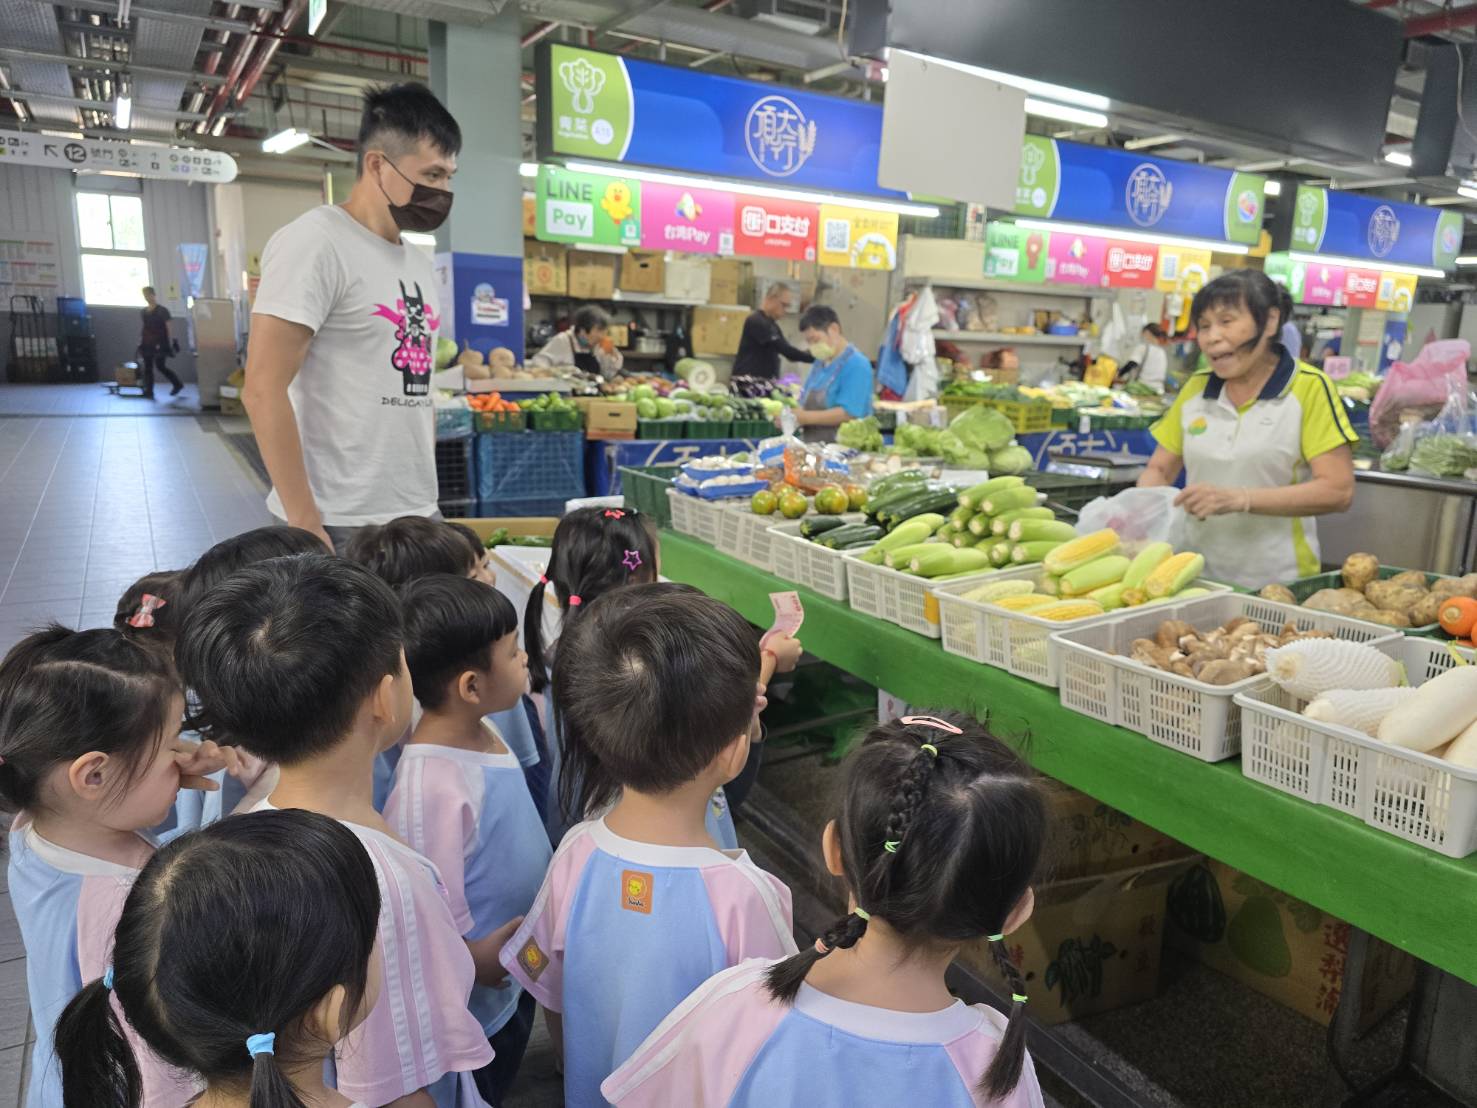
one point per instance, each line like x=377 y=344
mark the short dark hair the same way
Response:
x=149 y=288
x=473 y=540
x=282 y=654
x=401 y=115
x=451 y=625
x=1155 y=330
x=238 y=552
x=409 y=547
x=292 y=896
x=589 y=317
x=164 y=587
x=941 y=834
x=650 y=685
x=819 y=317
x=1250 y=289
x=65 y=692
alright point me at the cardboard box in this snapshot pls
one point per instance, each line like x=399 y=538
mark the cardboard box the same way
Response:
x=530 y=216
x=541 y=526
x=607 y=419
x=544 y=272
x=1085 y=837
x=591 y=275
x=620 y=334
x=643 y=272
x=717 y=330
x=687 y=278
x=730 y=281
x=1092 y=945
x=1285 y=949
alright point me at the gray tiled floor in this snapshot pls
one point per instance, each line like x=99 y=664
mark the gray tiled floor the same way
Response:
x=87 y=506
x=93 y=400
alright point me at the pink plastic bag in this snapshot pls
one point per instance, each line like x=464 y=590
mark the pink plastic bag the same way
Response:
x=1420 y=384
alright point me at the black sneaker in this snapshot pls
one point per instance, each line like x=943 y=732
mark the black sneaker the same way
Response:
x=178 y=388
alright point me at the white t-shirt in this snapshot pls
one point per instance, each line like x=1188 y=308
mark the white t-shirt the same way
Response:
x=363 y=396
x=1155 y=367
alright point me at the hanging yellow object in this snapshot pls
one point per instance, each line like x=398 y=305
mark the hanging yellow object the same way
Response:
x=1102 y=372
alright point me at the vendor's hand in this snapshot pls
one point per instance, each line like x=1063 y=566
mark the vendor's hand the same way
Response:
x=786 y=650
x=1203 y=501
x=196 y=761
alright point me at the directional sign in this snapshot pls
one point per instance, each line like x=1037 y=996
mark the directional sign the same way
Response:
x=168 y=163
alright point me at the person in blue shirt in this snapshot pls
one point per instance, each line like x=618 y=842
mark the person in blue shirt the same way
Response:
x=839 y=386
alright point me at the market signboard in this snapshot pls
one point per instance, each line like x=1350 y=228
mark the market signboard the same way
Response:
x=168 y=163
x=1343 y=286
x=1075 y=259
x=1352 y=225
x=1361 y=287
x=1130 y=265
x=764 y=227
x=1076 y=183
x=694 y=221
x=1015 y=254
x=857 y=238
x=587 y=208
x=616 y=109
x=1396 y=293
x=1182 y=269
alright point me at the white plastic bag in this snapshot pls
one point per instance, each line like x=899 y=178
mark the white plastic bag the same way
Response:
x=1140 y=516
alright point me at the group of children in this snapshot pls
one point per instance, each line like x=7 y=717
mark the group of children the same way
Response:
x=294 y=834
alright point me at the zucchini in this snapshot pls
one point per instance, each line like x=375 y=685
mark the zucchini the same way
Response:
x=855 y=547
x=819 y=525
x=905 y=478
x=851 y=533
x=929 y=501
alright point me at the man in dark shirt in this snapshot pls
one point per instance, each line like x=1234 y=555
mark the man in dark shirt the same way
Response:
x=762 y=342
x=154 y=345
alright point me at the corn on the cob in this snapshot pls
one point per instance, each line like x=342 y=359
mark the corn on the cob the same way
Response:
x=1082 y=550
x=1094 y=575
x=1034 y=530
x=1145 y=562
x=1132 y=598
x=1061 y=610
x=961 y=539
x=958 y=518
x=999 y=553
x=1023 y=553
x=1003 y=500
x=897 y=557
x=1361 y=709
x=993 y=591
x=1000 y=525
x=979 y=525
x=1049 y=584
x=1309 y=668
x=1028 y=603
x=971 y=498
x=940 y=559
x=1173 y=574
x=1109 y=596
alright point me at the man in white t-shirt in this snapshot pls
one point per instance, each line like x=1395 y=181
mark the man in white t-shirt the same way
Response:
x=343 y=332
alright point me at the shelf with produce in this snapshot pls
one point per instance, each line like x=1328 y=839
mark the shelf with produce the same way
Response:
x=984 y=284
x=998 y=339
x=1393 y=889
x=645 y=300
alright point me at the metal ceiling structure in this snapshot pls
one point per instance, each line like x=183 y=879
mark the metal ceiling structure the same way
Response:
x=205 y=71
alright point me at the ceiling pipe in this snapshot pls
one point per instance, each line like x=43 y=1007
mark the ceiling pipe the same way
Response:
x=213 y=62
x=295 y=8
x=1445 y=21
x=88 y=104
x=393 y=55
x=136 y=12
x=107 y=64
x=239 y=58
x=543 y=30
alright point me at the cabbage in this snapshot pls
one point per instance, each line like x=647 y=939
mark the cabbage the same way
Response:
x=983 y=428
x=1010 y=459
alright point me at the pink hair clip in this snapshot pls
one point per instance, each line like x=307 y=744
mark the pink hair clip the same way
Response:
x=575 y=602
x=632 y=560
x=614 y=513
x=144 y=617
x=930 y=721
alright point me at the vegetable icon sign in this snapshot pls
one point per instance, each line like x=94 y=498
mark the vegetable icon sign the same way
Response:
x=1079 y=969
x=584 y=83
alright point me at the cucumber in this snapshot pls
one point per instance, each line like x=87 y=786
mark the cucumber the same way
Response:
x=819 y=525
x=906 y=478
x=930 y=501
x=855 y=547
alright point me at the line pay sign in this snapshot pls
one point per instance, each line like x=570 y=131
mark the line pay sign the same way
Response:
x=587 y=208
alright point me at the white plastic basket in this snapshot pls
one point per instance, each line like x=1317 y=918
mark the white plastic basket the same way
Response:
x=1016 y=642
x=1415 y=796
x=684 y=509
x=746 y=536
x=692 y=515
x=796 y=558
x=901 y=598
x=1098 y=679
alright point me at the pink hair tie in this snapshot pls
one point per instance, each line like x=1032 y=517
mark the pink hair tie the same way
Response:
x=542 y=580
x=575 y=602
x=930 y=721
x=144 y=617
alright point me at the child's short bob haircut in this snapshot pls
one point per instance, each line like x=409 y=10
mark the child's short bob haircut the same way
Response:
x=451 y=625
x=409 y=547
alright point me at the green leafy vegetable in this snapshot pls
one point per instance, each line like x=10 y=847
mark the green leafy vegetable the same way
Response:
x=1444 y=455
x=860 y=434
x=982 y=428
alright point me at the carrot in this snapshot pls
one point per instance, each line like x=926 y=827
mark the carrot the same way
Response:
x=1458 y=616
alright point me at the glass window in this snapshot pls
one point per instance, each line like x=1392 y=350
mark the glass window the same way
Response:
x=94 y=221
x=128 y=222
x=115 y=279
x=113 y=226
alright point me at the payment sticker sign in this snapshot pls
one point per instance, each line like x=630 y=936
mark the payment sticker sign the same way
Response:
x=1130 y=265
x=768 y=228
x=857 y=238
x=1075 y=259
x=695 y=221
x=1015 y=254
x=587 y=208
x=1361 y=287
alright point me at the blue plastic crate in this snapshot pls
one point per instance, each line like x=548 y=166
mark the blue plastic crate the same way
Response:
x=528 y=465
x=453 y=422
x=520 y=506
x=454 y=468
x=462 y=507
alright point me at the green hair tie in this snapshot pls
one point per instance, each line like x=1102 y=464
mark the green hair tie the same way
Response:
x=890 y=846
x=930 y=748
x=995 y=938
x=1019 y=998
x=862 y=914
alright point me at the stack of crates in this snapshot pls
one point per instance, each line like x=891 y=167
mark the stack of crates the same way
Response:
x=456 y=493
x=529 y=473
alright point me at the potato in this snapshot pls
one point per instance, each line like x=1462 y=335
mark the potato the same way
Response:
x=1359 y=570
x=1411 y=578
x=1449 y=586
x=1390 y=597
x=1389 y=619
x=1334 y=600
x=1279 y=593
x=1427 y=611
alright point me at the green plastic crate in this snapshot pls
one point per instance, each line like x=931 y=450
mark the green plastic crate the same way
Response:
x=645 y=489
x=1074 y=492
x=555 y=421
x=1063 y=417
x=754 y=429
x=493 y=422
x=661 y=429
x=1123 y=422
x=709 y=428
x=1305 y=587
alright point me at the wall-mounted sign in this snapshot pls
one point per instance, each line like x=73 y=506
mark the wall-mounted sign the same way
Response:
x=1014 y=253
x=1182 y=269
x=168 y=163
x=587 y=207
x=697 y=221
x=1343 y=286
x=615 y=109
x=1117 y=188
x=769 y=228
x=1349 y=224
x=1074 y=259
x=857 y=238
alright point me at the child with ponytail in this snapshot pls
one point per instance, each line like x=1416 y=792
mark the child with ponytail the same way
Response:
x=939 y=836
x=248 y=980
x=90 y=756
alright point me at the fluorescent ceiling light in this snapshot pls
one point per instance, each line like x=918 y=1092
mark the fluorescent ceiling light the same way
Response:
x=123 y=112
x=1467 y=259
x=1273 y=188
x=1037 y=88
x=1367 y=263
x=528 y=169
x=283 y=141
x=928 y=211
x=1132 y=236
x=1468 y=191
x=1398 y=157
x=1066 y=114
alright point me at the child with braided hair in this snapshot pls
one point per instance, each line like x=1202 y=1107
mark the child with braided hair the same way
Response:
x=940 y=834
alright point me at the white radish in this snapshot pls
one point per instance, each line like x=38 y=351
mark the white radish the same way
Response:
x=1463 y=749
x=1309 y=668
x=1360 y=709
x=1442 y=708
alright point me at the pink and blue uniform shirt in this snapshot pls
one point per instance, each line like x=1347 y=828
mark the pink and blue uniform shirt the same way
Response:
x=622 y=931
x=731 y=1045
x=471 y=814
x=68 y=905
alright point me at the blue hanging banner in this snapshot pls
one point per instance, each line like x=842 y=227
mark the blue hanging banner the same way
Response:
x=1349 y=224
x=613 y=109
x=1117 y=188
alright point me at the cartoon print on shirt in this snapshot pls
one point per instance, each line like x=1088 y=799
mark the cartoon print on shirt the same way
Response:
x=414 y=323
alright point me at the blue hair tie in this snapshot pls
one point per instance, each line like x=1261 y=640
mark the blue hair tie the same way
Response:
x=261 y=1044
x=108 y=978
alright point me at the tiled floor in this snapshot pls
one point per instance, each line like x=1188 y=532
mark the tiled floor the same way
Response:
x=93 y=400
x=88 y=505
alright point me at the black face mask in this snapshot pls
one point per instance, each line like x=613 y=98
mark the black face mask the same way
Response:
x=427 y=208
